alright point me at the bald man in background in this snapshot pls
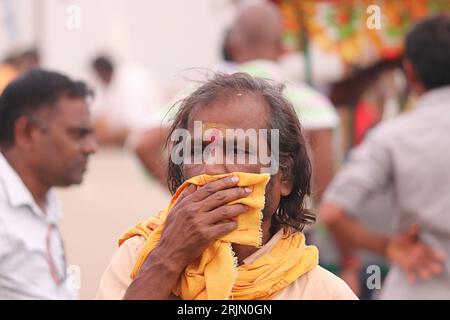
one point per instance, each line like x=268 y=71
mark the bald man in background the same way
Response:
x=254 y=45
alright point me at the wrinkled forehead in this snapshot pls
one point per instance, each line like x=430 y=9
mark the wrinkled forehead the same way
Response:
x=238 y=111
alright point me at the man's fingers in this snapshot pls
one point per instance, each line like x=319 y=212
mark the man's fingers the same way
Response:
x=226 y=212
x=223 y=197
x=436 y=268
x=423 y=262
x=417 y=259
x=220 y=229
x=429 y=255
x=187 y=192
x=430 y=268
x=439 y=255
x=424 y=273
x=434 y=261
x=214 y=186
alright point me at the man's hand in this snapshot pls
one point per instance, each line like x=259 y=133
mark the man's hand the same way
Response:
x=413 y=256
x=199 y=217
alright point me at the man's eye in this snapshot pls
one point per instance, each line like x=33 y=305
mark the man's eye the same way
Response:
x=79 y=134
x=76 y=134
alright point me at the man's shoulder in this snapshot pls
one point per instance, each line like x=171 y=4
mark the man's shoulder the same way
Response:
x=131 y=248
x=400 y=125
x=326 y=279
x=322 y=275
x=318 y=284
x=4 y=204
x=116 y=278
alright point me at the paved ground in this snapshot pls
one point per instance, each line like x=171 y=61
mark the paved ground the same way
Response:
x=115 y=194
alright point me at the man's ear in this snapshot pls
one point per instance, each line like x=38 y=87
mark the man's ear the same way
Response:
x=412 y=77
x=24 y=130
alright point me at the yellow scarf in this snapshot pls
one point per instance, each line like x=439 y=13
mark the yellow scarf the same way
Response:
x=215 y=275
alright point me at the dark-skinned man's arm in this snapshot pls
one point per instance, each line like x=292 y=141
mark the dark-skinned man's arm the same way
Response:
x=150 y=150
x=404 y=249
x=368 y=170
x=200 y=216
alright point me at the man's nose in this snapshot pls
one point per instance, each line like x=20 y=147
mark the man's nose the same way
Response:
x=214 y=162
x=90 y=145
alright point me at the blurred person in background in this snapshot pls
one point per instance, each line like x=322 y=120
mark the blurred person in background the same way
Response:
x=378 y=103
x=407 y=156
x=46 y=138
x=253 y=45
x=125 y=101
x=30 y=59
x=16 y=64
x=9 y=70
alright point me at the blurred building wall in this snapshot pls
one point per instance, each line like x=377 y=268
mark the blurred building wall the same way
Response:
x=165 y=36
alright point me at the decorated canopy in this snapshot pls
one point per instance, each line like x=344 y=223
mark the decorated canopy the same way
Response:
x=360 y=31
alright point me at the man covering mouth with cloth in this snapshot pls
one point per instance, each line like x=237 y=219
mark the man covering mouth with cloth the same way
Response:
x=231 y=231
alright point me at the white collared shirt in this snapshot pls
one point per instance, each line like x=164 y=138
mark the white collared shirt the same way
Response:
x=30 y=243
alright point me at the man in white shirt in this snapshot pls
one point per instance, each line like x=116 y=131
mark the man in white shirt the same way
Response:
x=46 y=137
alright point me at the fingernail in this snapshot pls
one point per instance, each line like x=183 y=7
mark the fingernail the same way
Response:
x=234 y=179
x=248 y=190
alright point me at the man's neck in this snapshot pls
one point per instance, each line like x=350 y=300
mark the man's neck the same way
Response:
x=243 y=251
x=37 y=188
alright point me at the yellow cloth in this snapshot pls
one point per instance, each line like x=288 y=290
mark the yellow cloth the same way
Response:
x=215 y=274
